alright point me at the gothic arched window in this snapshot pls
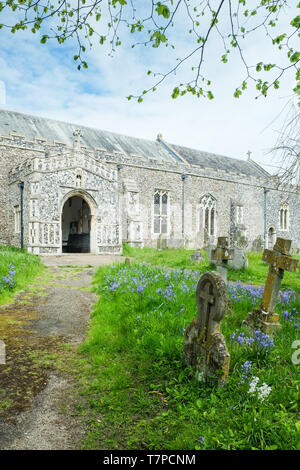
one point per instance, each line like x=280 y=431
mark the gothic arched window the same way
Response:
x=284 y=216
x=207 y=214
x=161 y=205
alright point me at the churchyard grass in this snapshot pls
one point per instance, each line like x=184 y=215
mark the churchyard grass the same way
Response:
x=179 y=258
x=256 y=272
x=136 y=392
x=17 y=269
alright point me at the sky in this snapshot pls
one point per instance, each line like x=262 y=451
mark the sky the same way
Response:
x=43 y=80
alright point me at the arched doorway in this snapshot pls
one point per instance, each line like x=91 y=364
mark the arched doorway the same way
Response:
x=76 y=225
x=271 y=237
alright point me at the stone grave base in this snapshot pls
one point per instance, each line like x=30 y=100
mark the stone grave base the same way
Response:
x=210 y=359
x=264 y=321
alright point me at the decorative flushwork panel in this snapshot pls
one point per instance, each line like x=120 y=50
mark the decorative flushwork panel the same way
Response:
x=34 y=210
x=108 y=234
x=67 y=162
x=35 y=188
x=49 y=233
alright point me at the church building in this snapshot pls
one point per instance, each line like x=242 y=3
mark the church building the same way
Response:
x=66 y=188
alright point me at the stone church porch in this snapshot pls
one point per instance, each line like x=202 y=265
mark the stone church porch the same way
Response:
x=65 y=203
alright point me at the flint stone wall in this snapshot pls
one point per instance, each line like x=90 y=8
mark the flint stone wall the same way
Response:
x=147 y=175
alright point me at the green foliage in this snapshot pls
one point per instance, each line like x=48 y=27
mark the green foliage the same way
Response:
x=155 y=25
x=26 y=267
x=179 y=258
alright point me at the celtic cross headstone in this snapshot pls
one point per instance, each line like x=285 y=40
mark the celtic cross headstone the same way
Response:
x=279 y=261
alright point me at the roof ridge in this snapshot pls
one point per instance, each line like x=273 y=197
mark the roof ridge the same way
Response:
x=76 y=124
x=210 y=153
x=259 y=167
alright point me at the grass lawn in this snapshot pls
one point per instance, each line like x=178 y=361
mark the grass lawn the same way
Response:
x=17 y=269
x=135 y=391
x=256 y=273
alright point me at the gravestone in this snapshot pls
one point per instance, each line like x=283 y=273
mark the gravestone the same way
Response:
x=209 y=250
x=279 y=260
x=197 y=257
x=240 y=239
x=257 y=244
x=204 y=345
x=222 y=254
x=161 y=243
x=239 y=259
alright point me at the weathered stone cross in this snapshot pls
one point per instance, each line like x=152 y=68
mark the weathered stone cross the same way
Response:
x=206 y=299
x=204 y=346
x=221 y=254
x=279 y=261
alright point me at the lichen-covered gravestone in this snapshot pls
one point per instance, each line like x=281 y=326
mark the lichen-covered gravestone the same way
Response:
x=204 y=345
x=279 y=260
x=222 y=254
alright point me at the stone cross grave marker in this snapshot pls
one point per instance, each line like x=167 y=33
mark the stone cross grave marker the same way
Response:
x=204 y=345
x=221 y=254
x=279 y=261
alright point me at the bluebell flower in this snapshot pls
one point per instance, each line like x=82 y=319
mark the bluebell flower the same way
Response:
x=140 y=290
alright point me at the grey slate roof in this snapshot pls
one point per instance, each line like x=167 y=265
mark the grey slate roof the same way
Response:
x=52 y=130
x=211 y=160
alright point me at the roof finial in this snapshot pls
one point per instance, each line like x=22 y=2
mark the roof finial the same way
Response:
x=159 y=137
x=77 y=134
x=249 y=154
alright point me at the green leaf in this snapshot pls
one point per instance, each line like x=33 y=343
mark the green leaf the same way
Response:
x=268 y=67
x=296 y=22
x=175 y=93
x=295 y=57
x=44 y=39
x=162 y=10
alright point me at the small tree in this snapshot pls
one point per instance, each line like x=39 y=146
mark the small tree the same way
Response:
x=287 y=148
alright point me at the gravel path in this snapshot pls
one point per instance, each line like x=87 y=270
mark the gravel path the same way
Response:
x=64 y=313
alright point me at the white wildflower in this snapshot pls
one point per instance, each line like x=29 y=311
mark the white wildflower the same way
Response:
x=253 y=384
x=264 y=391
